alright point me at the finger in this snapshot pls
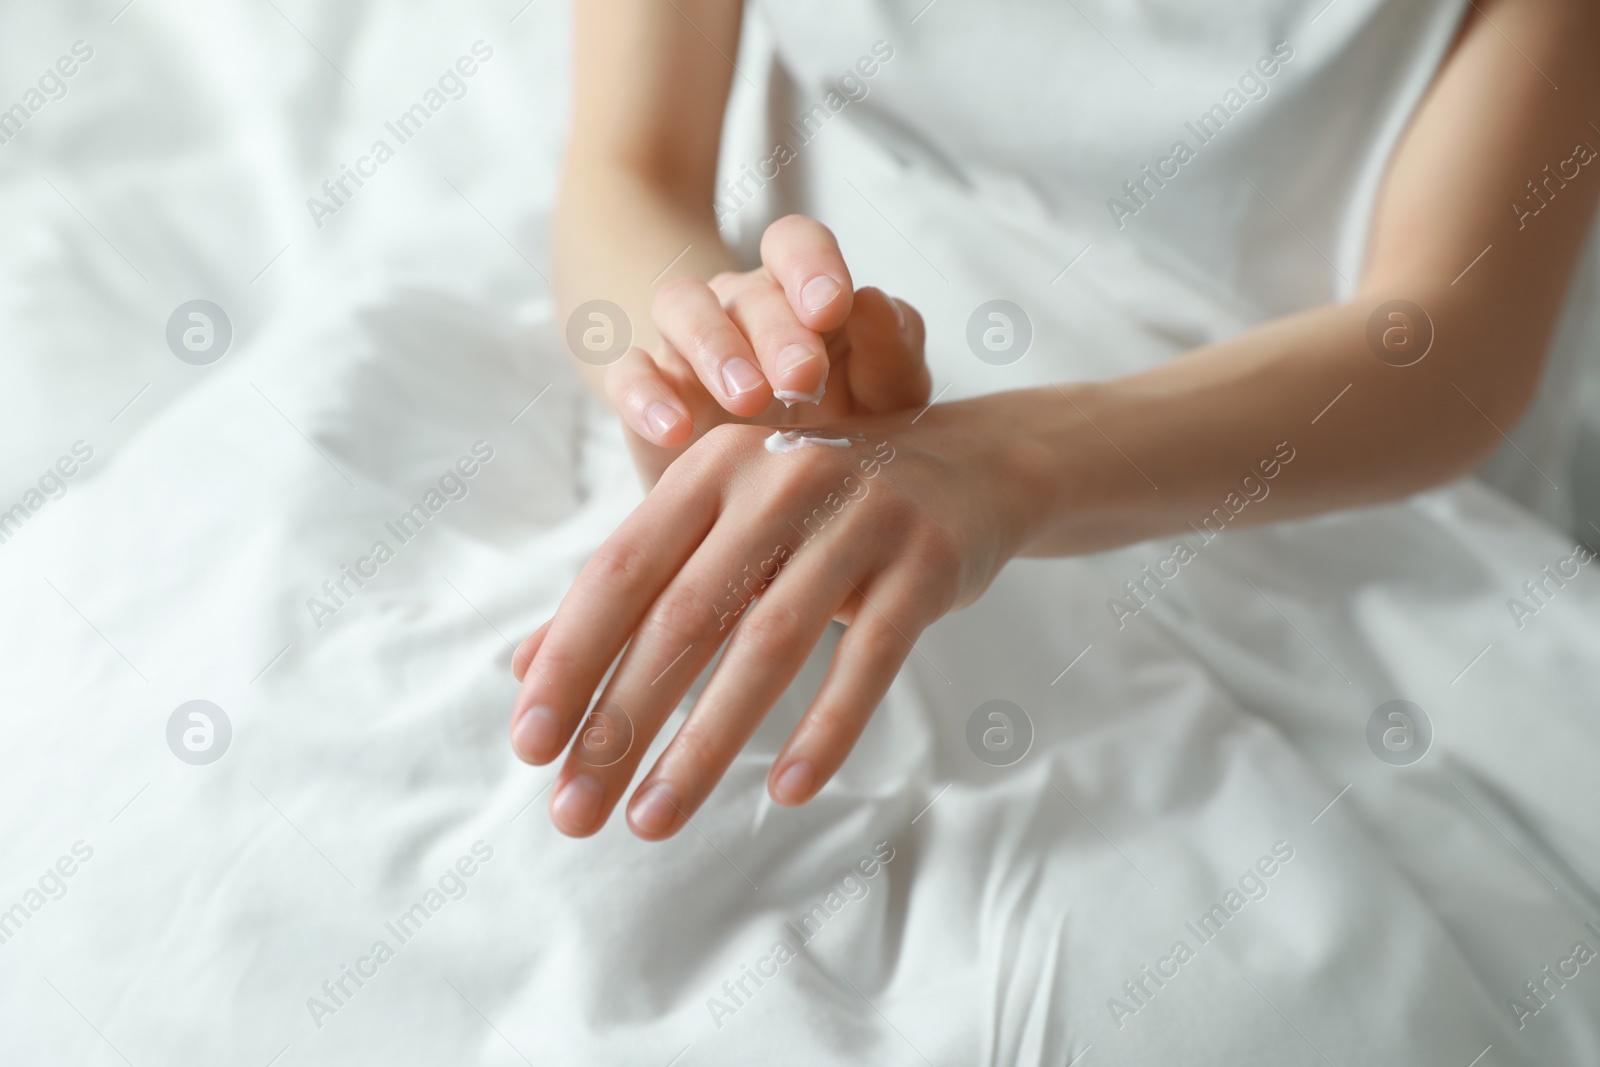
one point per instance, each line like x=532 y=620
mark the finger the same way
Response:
x=794 y=358
x=603 y=607
x=802 y=255
x=887 y=370
x=646 y=400
x=763 y=657
x=870 y=654
x=679 y=636
x=693 y=321
x=525 y=651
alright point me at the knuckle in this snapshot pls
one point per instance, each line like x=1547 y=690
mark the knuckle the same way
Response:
x=682 y=614
x=673 y=295
x=707 y=464
x=834 y=723
x=880 y=641
x=933 y=548
x=616 y=563
x=823 y=472
x=708 y=340
x=730 y=285
x=938 y=598
x=557 y=661
x=772 y=630
x=698 y=754
x=929 y=599
x=798 y=487
x=704 y=338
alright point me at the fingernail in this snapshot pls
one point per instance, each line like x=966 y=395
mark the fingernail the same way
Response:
x=661 y=417
x=655 y=810
x=899 y=313
x=792 y=358
x=537 y=736
x=818 y=293
x=794 y=784
x=740 y=377
x=577 y=805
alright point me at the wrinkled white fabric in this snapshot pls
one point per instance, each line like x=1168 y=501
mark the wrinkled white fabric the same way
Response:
x=1219 y=731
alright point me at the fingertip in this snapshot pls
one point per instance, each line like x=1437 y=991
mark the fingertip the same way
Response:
x=795 y=784
x=536 y=736
x=802 y=373
x=647 y=401
x=654 y=813
x=741 y=388
x=822 y=301
x=803 y=255
x=818 y=293
x=575 y=806
x=665 y=424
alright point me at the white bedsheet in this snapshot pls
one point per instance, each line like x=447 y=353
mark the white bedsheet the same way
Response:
x=1222 y=727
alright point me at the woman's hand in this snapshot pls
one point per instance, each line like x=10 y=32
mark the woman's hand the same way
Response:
x=751 y=346
x=760 y=549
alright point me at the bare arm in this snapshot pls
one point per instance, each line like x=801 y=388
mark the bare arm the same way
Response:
x=1490 y=123
x=650 y=84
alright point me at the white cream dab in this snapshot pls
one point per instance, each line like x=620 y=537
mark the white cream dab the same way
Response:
x=789 y=440
x=791 y=397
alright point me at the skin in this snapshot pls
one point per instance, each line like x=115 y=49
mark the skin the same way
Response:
x=958 y=490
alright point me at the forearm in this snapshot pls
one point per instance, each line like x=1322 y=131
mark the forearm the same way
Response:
x=618 y=236
x=1293 y=418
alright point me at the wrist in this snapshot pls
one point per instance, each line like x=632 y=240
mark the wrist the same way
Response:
x=1040 y=456
x=1014 y=450
x=1070 y=488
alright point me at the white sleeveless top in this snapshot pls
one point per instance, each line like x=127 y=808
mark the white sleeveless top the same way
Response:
x=1183 y=128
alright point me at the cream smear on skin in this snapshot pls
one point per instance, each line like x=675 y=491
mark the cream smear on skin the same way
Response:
x=789 y=440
